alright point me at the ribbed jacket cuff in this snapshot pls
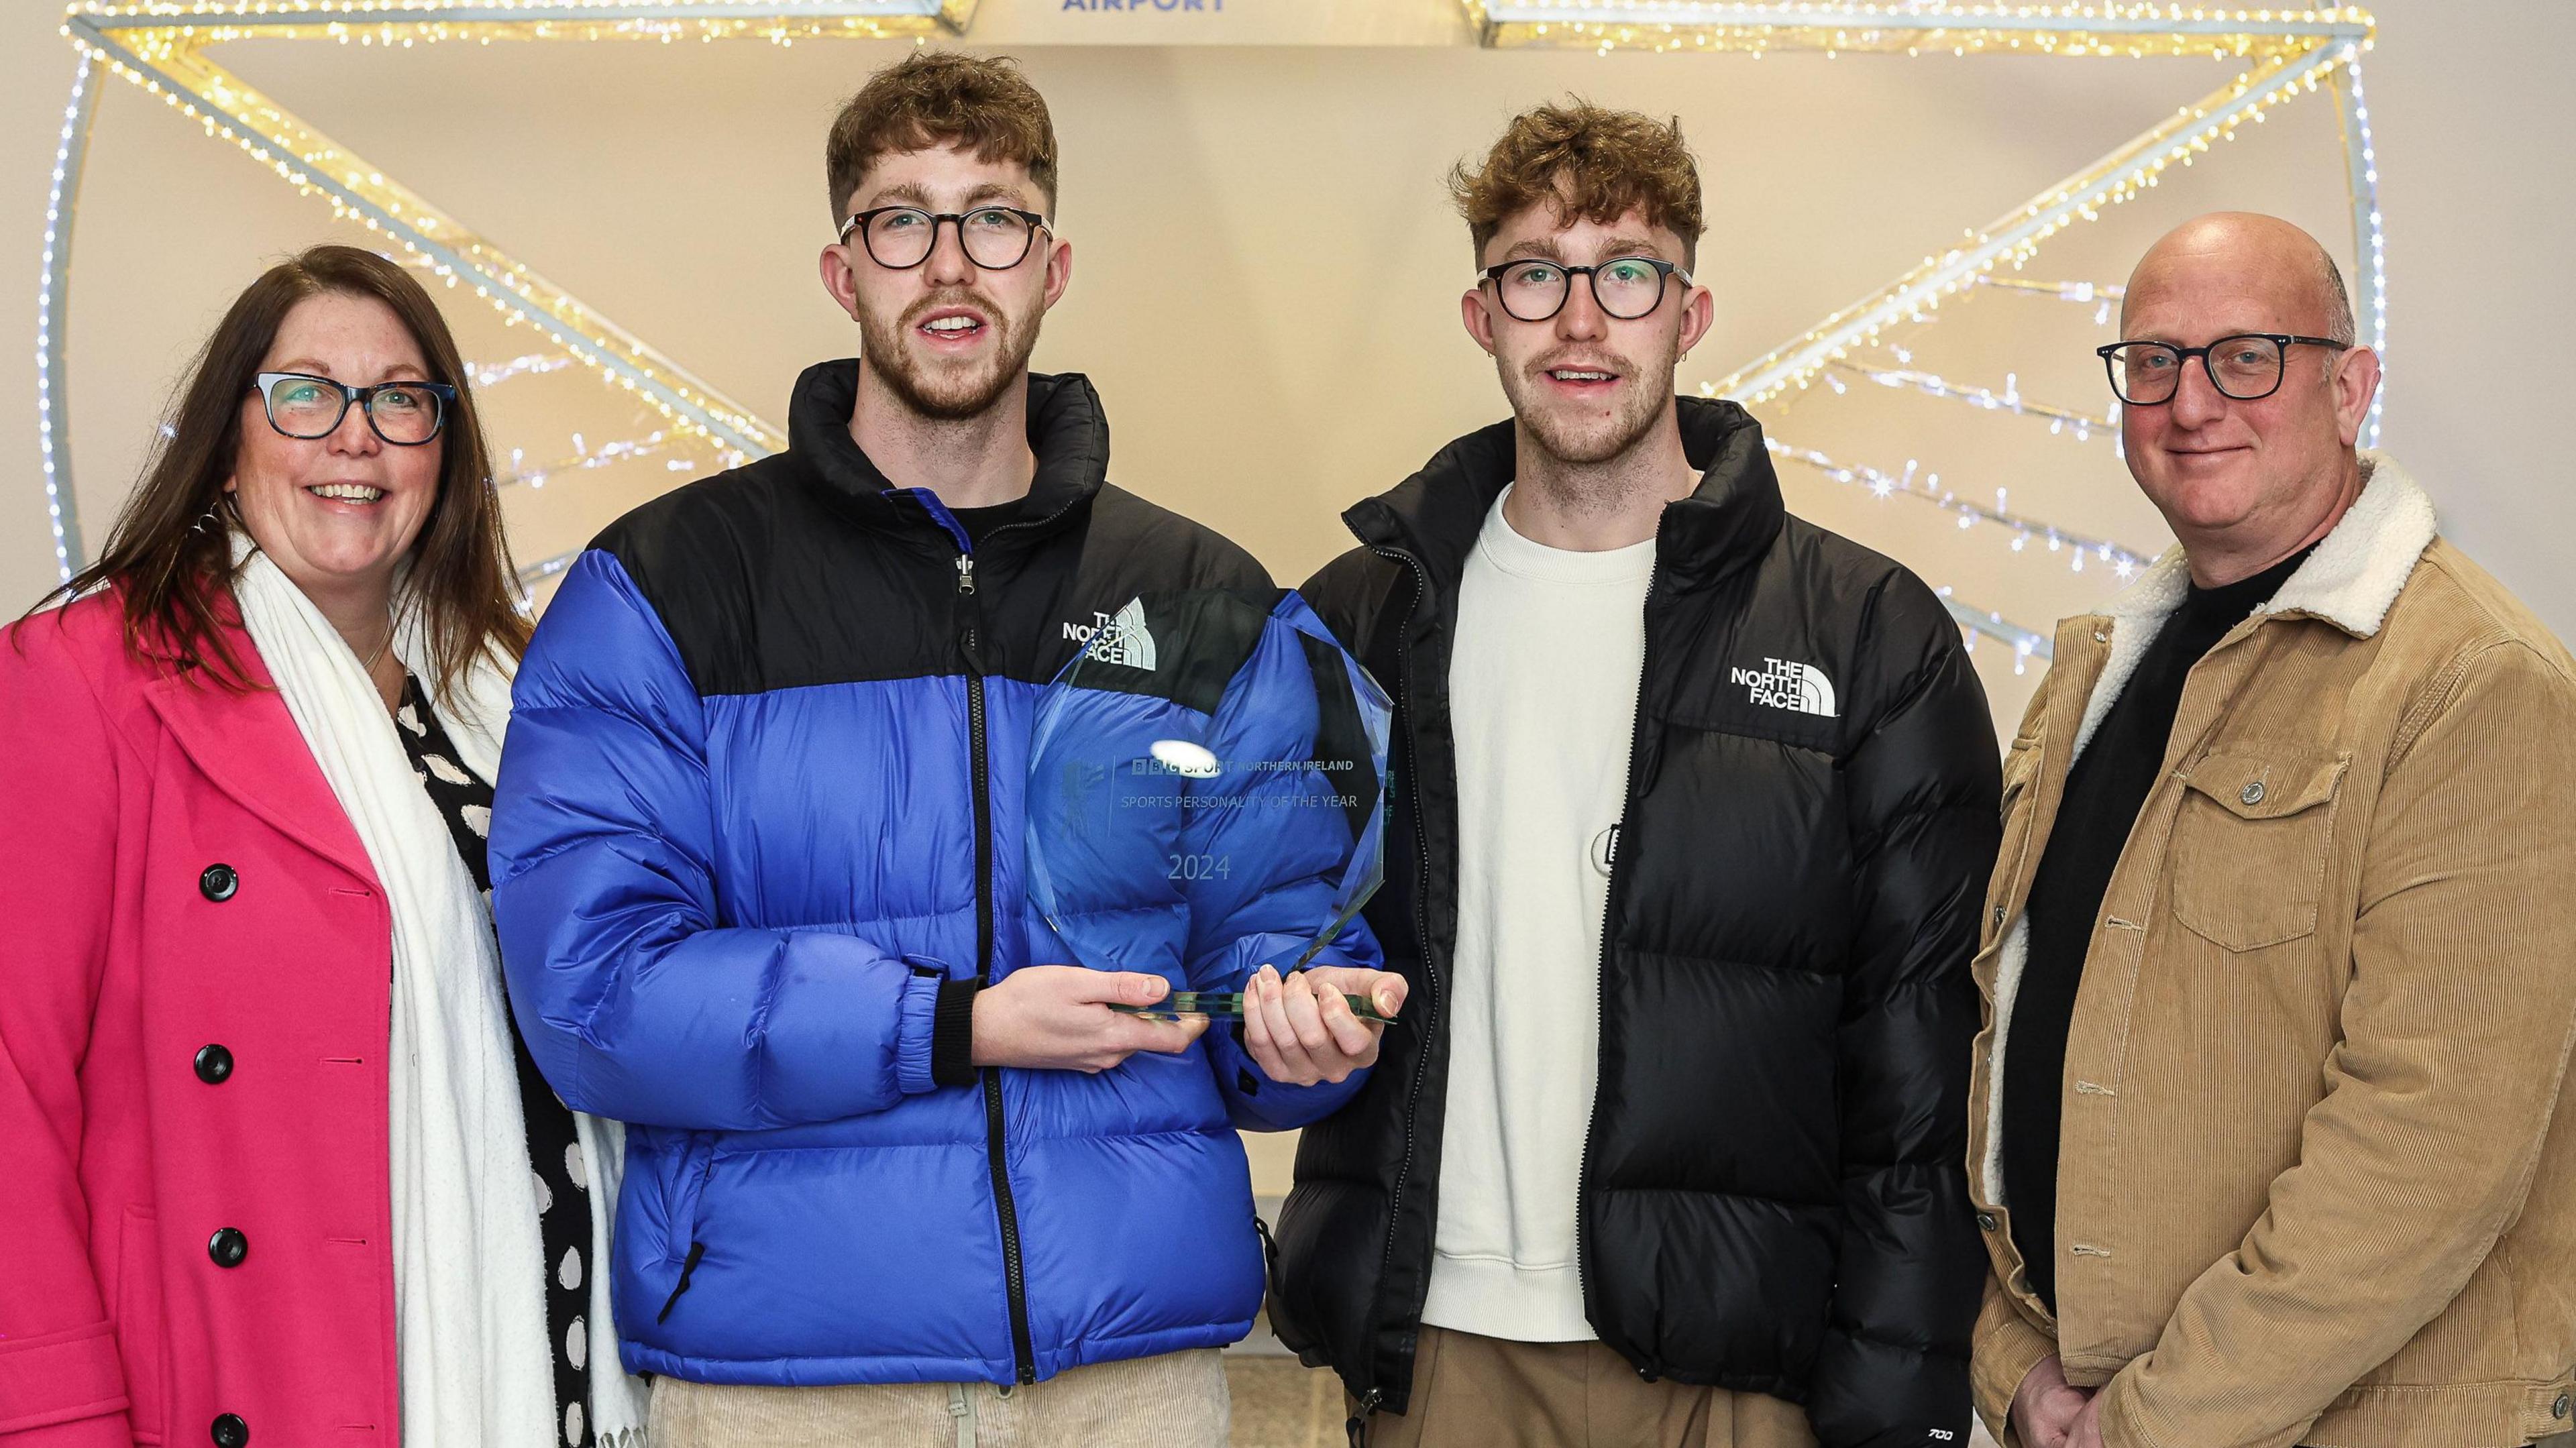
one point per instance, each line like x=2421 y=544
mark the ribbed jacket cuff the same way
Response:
x=952 y=1035
x=2008 y=1347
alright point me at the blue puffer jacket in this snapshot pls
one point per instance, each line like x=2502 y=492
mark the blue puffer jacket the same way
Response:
x=759 y=839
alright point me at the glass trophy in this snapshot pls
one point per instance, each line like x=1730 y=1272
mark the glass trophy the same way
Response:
x=1210 y=767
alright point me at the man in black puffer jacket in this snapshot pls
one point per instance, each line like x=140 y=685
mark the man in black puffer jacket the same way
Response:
x=1692 y=807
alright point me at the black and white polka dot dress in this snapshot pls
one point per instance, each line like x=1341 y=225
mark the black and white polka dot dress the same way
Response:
x=554 y=1149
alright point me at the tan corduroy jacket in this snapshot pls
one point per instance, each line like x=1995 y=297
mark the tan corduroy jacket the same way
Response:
x=2315 y=1181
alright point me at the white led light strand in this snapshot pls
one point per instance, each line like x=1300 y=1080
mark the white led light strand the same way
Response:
x=1914 y=482
x=62 y=508
x=533 y=364
x=2026 y=643
x=2061 y=420
x=2369 y=241
x=367 y=20
x=585 y=459
x=1910 y=27
x=2098 y=296
x=2085 y=293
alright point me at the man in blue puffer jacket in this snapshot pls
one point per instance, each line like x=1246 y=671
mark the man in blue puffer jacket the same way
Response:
x=760 y=878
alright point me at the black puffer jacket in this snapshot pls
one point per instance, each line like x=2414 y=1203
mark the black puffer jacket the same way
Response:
x=1773 y=1194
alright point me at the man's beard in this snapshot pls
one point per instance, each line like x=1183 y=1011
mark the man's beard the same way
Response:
x=1590 y=442
x=947 y=394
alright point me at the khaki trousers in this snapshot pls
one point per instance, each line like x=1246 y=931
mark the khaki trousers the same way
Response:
x=1484 y=1392
x=1177 y=1400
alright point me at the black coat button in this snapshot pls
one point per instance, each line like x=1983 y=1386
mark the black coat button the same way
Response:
x=218 y=882
x=229 y=1431
x=1985 y=1221
x=214 y=1065
x=228 y=1247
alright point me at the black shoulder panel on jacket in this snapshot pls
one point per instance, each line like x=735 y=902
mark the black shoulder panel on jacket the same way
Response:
x=763 y=584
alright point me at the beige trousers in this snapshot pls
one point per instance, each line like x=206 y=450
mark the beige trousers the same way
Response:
x=1484 y=1392
x=1177 y=1400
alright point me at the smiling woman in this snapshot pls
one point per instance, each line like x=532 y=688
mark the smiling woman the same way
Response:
x=263 y=856
x=396 y=483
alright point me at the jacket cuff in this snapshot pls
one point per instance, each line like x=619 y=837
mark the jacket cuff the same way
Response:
x=952 y=1034
x=2124 y=1415
x=915 y=1021
x=2008 y=1347
x=63 y=1387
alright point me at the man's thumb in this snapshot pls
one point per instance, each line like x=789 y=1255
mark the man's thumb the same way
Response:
x=1136 y=988
x=1389 y=996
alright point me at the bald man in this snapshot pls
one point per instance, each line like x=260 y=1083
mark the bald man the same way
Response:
x=2279 y=960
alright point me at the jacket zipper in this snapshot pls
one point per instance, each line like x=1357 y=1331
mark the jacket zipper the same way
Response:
x=1368 y=1404
x=1023 y=1354
x=1601 y=980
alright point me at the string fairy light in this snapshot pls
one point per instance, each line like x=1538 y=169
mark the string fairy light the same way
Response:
x=2084 y=293
x=2061 y=420
x=404 y=23
x=2099 y=296
x=585 y=458
x=1925 y=486
x=1912 y=27
x=531 y=364
x=1973 y=621
x=2362 y=158
x=62 y=509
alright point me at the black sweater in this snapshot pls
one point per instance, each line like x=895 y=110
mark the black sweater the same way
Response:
x=2104 y=792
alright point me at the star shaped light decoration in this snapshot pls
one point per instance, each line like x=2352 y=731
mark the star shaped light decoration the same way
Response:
x=163 y=45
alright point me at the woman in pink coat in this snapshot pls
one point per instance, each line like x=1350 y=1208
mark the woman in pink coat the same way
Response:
x=276 y=1170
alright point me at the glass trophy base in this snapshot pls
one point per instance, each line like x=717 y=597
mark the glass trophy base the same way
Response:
x=1229 y=1005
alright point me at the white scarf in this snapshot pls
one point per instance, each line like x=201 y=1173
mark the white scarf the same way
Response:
x=469 y=1279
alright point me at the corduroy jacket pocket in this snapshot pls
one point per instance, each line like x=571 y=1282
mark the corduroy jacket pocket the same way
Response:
x=2250 y=847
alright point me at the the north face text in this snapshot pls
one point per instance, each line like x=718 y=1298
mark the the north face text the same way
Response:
x=1786 y=684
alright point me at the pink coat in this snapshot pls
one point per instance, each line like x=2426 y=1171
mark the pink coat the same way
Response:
x=195 y=963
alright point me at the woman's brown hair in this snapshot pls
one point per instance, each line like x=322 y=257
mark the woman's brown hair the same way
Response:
x=169 y=557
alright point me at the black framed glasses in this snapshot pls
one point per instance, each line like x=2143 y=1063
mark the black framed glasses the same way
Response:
x=1625 y=287
x=899 y=238
x=405 y=414
x=2247 y=366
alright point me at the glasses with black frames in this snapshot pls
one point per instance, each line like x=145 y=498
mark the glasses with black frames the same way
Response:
x=899 y=238
x=405 y=414
x=1533 y=289
x=2247 y=366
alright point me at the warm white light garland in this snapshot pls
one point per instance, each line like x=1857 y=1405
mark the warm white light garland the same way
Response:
x=532 y=364
x=2061 y=420
x=585 y=459
x=1917 y=483
x=53 y=436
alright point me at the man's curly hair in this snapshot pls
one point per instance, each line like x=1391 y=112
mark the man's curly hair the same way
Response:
x=941 y=98
x=1583 y=161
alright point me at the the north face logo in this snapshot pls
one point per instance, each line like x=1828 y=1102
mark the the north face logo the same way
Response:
x=1124 y=639
x=1784 y=684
